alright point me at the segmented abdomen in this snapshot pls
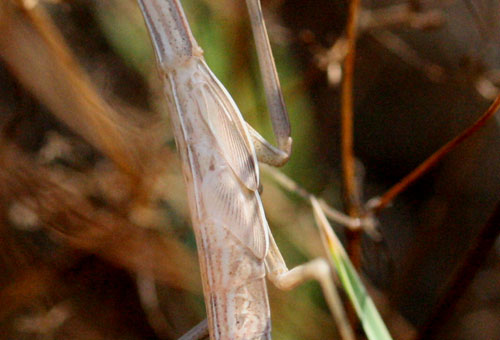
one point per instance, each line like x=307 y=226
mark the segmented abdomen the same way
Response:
x=228 y=219
x=235 y=289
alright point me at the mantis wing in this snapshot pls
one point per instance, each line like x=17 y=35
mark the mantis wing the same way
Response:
x=229 y=129
x=238 y=209
x=230 y=190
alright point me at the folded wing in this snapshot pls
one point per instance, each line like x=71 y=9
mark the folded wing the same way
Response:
x=229 y=129
x=229 y=203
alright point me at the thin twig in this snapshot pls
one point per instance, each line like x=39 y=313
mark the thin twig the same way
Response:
x=436 y=157
x=351 y=197
x=377 y=22
x=348 y=161
x=475 y=12
x=400 y=14
x=409 y=55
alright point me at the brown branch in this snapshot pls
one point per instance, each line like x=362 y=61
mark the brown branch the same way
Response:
x=351 y=199
x=435 y=158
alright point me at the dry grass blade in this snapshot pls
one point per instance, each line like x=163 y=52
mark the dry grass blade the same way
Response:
x=74 y=220
x=36 y=53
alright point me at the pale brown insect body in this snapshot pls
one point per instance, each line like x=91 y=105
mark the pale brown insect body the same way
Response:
x=236 y=249
x=226 y=211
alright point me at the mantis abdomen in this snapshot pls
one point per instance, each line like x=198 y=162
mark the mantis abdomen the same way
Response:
x=220 y=172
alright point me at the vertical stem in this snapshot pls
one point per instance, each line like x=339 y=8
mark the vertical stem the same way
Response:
x=351 y=201
x=351 y=197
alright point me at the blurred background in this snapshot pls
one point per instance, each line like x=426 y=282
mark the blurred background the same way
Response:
x=95 y=236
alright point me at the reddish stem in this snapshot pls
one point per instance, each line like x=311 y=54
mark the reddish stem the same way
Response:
x=436 y=157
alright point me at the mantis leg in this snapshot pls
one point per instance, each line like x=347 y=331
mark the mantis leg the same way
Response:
x=266 y=152
x=272 y=87
x=286 y=279
x=317 y=269
x=200 y=331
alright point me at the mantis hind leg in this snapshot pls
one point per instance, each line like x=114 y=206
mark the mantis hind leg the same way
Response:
x=317 y=269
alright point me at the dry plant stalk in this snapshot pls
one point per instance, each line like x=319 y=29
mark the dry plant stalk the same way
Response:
x=73 y=219
x=43 y=63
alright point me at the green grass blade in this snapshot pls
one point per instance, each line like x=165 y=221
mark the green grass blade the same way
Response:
x=371 y=320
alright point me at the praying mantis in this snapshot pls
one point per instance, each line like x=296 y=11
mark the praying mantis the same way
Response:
x=220 y=154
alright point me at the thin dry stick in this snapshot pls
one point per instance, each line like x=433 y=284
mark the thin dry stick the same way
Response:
x=400 y=14
x=403 y=50
x=462 y=277
x=351 y=197
x=475 y=12
x=436 y=157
